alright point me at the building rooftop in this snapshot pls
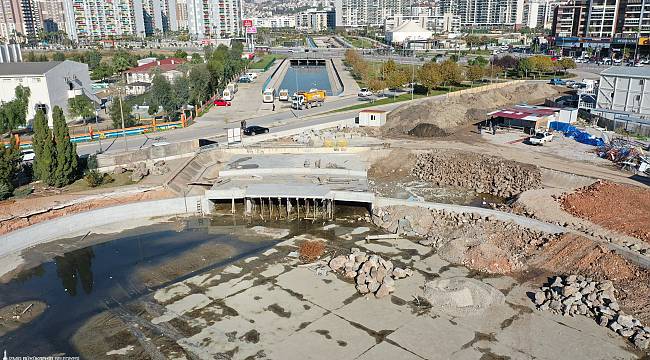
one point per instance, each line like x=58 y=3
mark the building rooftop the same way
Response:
x=164 y=65
x=524 y=112
x=410 y=26
x=627 y=71
x=27 y=68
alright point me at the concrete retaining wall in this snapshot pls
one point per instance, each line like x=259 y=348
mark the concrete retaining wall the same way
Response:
x=500 y=215
x=80 y=224
x=278 y=75
x=106 y=162
x=291 y=171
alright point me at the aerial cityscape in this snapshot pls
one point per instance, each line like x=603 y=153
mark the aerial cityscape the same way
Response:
x=324 y=179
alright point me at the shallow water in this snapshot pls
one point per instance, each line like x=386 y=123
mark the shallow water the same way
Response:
x=303 y=78
x=83 y=282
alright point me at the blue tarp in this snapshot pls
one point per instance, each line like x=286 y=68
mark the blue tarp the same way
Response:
x=578 y=135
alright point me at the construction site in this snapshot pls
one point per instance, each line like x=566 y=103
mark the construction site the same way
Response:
x=433 y=236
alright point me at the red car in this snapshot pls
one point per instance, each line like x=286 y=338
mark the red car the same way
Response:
x=221 y=102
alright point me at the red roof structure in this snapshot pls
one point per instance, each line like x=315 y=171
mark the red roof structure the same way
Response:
x=164 y=65
x=521 y=112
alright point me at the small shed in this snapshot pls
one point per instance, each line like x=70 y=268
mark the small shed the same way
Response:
x=530 y=118
x=372 y=118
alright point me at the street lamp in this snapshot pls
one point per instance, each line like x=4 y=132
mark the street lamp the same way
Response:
x=126 y=145
x=97 y=125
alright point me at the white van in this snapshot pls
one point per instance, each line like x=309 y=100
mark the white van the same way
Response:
x=284 y=95
x=252 y=75
x=227 y=94
x=269 y=95
x=233 y=88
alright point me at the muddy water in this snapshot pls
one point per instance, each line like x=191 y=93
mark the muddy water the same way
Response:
x=85 y=281
x=424 y=191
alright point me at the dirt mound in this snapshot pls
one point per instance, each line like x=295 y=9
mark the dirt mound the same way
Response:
x=618 y=207
x=460 y=296
x=440 y=116
x=478 y=172
x=397 y=165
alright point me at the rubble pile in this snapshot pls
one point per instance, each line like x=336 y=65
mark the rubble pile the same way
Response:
x=139 y=171
x=372 y=274
x=578 y=295
x=461 y=296
x=478 y=172
x=160 y=167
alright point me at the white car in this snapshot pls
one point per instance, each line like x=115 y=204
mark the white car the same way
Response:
x=364 y=92
x=252 y=75
x=540 y=138
x=28 y=155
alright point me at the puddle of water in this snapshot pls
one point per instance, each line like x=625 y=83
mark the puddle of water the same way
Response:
x=303 y=78
x=423 y=191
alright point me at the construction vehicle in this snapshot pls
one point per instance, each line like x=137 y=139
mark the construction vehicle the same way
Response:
x=308 y=99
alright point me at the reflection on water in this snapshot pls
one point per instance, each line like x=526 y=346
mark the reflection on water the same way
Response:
x=76 y=265
x=303 y=78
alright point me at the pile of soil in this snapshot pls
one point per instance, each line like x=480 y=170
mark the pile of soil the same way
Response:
x=481 y=173
x=617 y=207
x=396 y=166
x=442 y=116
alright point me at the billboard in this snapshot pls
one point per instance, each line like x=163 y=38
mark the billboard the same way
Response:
x=248 y=22
x=251 y=30
x=644 y=41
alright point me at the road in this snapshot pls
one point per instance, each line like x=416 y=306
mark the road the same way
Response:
x=212 y=126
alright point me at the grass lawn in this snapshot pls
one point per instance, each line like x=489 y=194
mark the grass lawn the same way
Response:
x=118 y=180
x=264 y=62
x=360 y=42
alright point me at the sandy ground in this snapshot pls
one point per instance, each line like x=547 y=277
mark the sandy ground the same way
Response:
x=16 y=315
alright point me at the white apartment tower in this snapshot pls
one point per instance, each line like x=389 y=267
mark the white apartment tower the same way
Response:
x=485 y=13
x=214 y=19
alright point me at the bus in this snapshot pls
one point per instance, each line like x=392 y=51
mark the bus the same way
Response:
x=269 y=95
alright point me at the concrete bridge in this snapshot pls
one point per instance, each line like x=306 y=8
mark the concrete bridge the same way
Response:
x=307 y=62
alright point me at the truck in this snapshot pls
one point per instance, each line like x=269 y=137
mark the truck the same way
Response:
x=308 y=99
x=557 y=81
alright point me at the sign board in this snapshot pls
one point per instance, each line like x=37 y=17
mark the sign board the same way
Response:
x=248 y=22
x=234 y=136
x=251 y=30
x=644 y=41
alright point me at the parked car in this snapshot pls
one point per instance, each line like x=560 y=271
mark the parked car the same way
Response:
x=364 y=92
x=557 y=81
x=540 y=138
x=255 y=130
x=569 y=83
x=28 y=155
x=244 y=79
x=221 y=102
x=252 y=75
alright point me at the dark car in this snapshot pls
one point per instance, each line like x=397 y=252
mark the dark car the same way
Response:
x=254 y=130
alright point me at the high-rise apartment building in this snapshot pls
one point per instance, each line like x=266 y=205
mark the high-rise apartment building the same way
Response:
x=485 y=13
x=52 y=14
x=214 y=19
x=539 y=13
x=602 y=18
x=19 y=19
x=360 y=13
x=159 y=16
x=100 y=19
x=316 y=20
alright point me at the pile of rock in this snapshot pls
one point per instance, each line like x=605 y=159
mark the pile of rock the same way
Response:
x=578 y=295
x=139 y=171
x=160 y=168
x=481 y=173
x=372 y=274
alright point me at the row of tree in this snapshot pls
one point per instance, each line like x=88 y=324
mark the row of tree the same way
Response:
x=55 y=160
x=539 y=64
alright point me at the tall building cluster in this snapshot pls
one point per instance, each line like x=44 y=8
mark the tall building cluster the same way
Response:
x=105 y=19
x=602 y=18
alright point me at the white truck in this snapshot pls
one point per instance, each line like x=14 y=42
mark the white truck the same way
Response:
x=540 y=138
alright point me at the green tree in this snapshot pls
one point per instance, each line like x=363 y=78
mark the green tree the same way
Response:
x=122 y=60
x=566 y=63
x=153 y=108
x=161 y=93
x=114 y=113
x=181 y=91
x=450 y=73
x=524 y=67
x=101 y=72
x=196 y=58
x=429 y=76
x=58 y=56
x=9 y=166
x=44 y=150
x=80 y=106
x=66 y=152
x=14 y=113
x=199 y=84
x=93 y=58
x=479 y=60
x=474 y=73
x=181 y=54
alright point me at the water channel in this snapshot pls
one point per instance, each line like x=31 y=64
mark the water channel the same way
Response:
x=303 y=78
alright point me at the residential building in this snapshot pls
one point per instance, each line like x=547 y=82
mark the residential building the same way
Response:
x=159 y=16
x=139 y=78
x=275 y=22
x=360 y=13
x=438 y=24
x=214 y=19
x=10 y=21
x=602 y=19
x=51 y=84
x=624 y=89
x=181 y=14
x=539 y=13
x=316 y=20
x=52 y=14
x=10 y=53
x=99 y=19
x=485 y=13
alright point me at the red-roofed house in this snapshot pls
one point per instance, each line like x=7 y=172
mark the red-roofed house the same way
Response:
x=138 y=76
x=530 y=118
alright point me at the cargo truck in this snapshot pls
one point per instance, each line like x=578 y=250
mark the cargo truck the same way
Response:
x=308 y=99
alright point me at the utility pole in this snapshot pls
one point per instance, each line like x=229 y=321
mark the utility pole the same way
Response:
x=97 y=124
x=126 y=145
x=412 y=73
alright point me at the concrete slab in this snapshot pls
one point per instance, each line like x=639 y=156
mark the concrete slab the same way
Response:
x=228 y=288
x=328 y=292
x=376 y=314
x=431 y=264
x=330 y=337
x=386 y=351
x=170 y=292
x=411 y=286
x=432 y=338
x=187 y=304
x=273 y=270
x=563 y=338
